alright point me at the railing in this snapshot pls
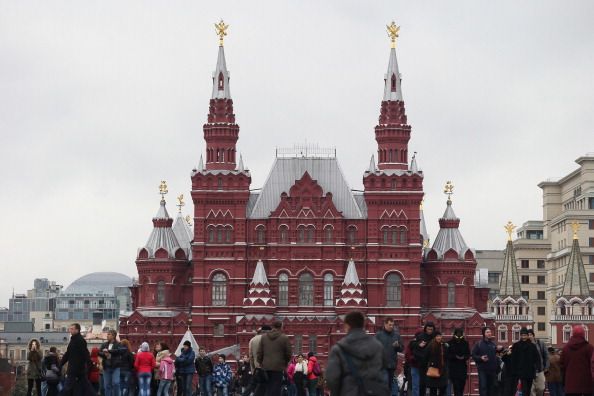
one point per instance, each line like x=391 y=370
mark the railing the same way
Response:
x=573 y=318
x=513 y=317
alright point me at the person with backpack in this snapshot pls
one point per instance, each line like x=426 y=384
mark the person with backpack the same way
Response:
x=484 y=355
x=221 y=376
x=166 y=374
x=51 y=368
x=313 y=372
x=389 y=337
x=356 y=363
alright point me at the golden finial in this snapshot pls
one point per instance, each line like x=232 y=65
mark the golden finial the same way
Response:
x=221 y=29
x=509 y=228
x=180 y=201
x=188 y=218
x=449 y=190
x=425 y=243
x=163 y=189
x=393 y=32
x=576 y=227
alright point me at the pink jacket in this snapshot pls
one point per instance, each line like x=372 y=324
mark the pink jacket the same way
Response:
x=166 y=368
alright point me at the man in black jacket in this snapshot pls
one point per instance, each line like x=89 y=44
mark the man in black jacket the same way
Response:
x=78 y=359
x=525 y=361
x=390 y=340
x=204 y=369
x=111 y=352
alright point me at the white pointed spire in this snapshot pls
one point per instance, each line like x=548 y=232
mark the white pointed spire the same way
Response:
x=240 y=166
x=414 y=168
x=220 y=78
x=372 y=167
x=260 y=277
x=392 y=88
x=351 y=278
x=162 y=212
x=201 y=164
x=424 y=232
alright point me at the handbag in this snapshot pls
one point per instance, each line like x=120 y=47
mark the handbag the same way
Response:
x=433 y=372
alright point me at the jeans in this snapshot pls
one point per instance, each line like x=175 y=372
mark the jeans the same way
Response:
x=30 y=383
x=205 y=382
x=415 y=375
x=487 y=382
x=164 y=387
x=312 y=384
x=293 y=389
x=392 y=383
x=125 y=376
x=187 y=383
x=111 y=381
x=144 y=384
x=555 y=388
x=222 y=390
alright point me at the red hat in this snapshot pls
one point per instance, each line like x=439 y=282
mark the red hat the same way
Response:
x=578 y=331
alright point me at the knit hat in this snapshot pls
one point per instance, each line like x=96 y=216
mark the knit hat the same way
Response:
x=524 y=330
x=187 y=343
x=144 y=347
x=578 y=331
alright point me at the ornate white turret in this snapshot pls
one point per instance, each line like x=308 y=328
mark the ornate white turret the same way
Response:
x=259 y=294
x=351 y=292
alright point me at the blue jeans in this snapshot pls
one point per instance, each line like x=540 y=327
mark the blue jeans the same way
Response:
x=111 y=381
x=486 y=382
x=391 y=381
x=205 y=385
x=187 y=384
x=125 y=376
x=415 y=379
x=144 y=384
x=222 y=390
x=164 y=387
x=556 y=388
x=292 y=389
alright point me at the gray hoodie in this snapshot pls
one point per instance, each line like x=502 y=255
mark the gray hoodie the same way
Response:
x=367 y=355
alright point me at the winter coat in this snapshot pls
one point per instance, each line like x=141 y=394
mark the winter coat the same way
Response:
x=127 y=360
x=51 y=364
x=543 y=354
x=311 y=363
x=458 y=348
x=253 y=348
x=204 y=365
x=115 y=352
x=34 y=362
x=419 y=353
x=482 y=348
x=291 y=371
x=184 y=363
x=367 y=356
x=437 y=357
x=158 y=358
x=553 y=374
x=525 y=359
x=274 y=352
x=76 y=355
x=221 y=375
x=94 y=372
x=576 y=365
x=144 y=362
x=387 y=339
x=166 y=368
x=244 y=373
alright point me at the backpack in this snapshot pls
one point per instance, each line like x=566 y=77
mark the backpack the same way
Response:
x=316 y=370
x=367 y=386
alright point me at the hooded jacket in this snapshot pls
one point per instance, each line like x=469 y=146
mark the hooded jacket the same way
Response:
x=367 y=355
x=576 y=365
x=94 y=371
x=184 y=363
x=525 y=359
x=387 y=339
x=274 y=352
x=166 y=368
x=458 y=354
x=482 y=348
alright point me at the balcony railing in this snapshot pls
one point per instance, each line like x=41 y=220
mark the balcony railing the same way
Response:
x=573 y=318
x=512 y=318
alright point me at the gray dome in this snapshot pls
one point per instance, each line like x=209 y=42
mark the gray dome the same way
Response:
x=98 y=283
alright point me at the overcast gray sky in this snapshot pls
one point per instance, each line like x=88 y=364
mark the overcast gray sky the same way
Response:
x=99 y=101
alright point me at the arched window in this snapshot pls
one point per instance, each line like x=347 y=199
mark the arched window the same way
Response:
x=502 y=333
x=284 y=234
x=301 y=234
x=211 y=234
x=451 y=294
x=386 y=235
x=161 y=293
x=516 y=333
x=220 y=232
x=260 y=234
x=566 y=333
x=393 y=290
x=228 y=234
x=283 y=290
x=328 y=290
x=390 y=156
x=351 y=234
x=394 y=236
x=328 y=233
x=306 y=289
x=393 y=83
x=222 y=82
x=219 y=290
x=403 y=237
x=311 y=232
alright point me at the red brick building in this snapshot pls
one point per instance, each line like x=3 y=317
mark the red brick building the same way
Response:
x=304 y=248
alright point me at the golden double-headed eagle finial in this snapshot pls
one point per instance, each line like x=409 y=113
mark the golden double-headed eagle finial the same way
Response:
x=449 y=190
x=180 y=202
x=576 y=227
x=221 y=30
x=509 y=228
x=163 y=189
x=393 y=30
x=188 y=220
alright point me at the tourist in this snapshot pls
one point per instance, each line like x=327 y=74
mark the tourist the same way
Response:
x=244 y=373
x=458 y=355
x=525 y=361
x=165 y=374
x=300 y=374
x=94 y=375
x=51 y=366
x=313 y=372
x=77 y=357
x=576 y=363
x=161 y=350
x=553 y=374
x=221 y=376
x=291 y=388
x=144 y=364
x=413 y=355
x=538 y=386
x=321 y=381
x=508 y=379
x=389 y=337
x=110 y=353
x=257 y=385
x=204 y=369
x=437 y=369
x=126 y=368
x=274 y=354
x=184 y=364
x=427 y=336
x=34 y=361
x=483 y=354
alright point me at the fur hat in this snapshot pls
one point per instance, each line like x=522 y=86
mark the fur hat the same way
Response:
x=144 y=347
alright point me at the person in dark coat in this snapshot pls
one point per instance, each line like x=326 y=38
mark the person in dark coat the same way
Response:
x=508 y=380
x=525 y=361
x=483 y=354
x=184 y=366
x=458 y=355
x=389 y=337
x=437 y=358
x=420 y=354
x=576 y=363
x=51 y=365
x=78 y=358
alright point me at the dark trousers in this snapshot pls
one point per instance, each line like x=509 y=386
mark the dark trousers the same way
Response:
x=390 y=375
x=37 y=386
x=555 y=388
x=526 y=385
x=487 y=382
x=77 y=385
x=299 y=379
x=52 y=389
x=257 y=384
x=273 y=386
x=458 y=385
x=433 y=391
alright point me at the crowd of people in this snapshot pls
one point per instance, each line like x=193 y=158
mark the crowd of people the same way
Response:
x=358 y=364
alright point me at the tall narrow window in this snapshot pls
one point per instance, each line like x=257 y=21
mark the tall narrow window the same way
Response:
x=328 y=234
x=386 y=235
x=566 y=333
x=260 y=234
x=283 y=234
x=516 y=333
x=351 y=234
x=306 y=289
x=161 y=293
x=221 y=82
x=311 y=232
x=403 y=236
x=220 y=234
x=393 y=83
x=283 y=290
x=219 y=290
x=211 y=234
x=393 y=290
x=301 y=234
x=298 y=341
x=328 y=290
x=394 y=236
x=313 y=343
x=451 y=294
x=228 y=232
x=220 y=183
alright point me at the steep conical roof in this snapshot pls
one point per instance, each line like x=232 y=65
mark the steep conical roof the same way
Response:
x=392 y=88
x=188 y=336
x=576 y=283
x=182 y=231
x=351 y=278
x=509 y=285
x=424 y=232
x=351 y=292
x=162 y=236
x=220 y=78
x=449 y=236
x=260 y=277
x=259 y=294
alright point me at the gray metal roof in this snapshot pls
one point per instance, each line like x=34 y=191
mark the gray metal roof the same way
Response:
x=162 y=236
x=260 y=277
x=449 y=237
x=52 y=338
x=392 y=70
x=351 y=278
x=509 y=285
x=286 y=171
x=576 y=283
x=182 y=231
x=97 y=282
x=360 y=200
x=224 y=93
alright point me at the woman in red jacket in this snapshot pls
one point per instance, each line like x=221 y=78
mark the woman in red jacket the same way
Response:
x=144 y=364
